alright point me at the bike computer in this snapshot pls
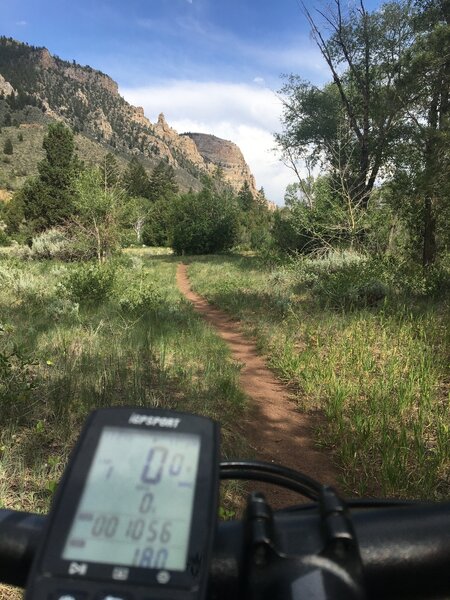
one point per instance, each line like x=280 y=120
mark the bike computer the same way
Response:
x=134 y=515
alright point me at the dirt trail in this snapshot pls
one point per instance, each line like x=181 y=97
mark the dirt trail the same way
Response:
x=275 y=429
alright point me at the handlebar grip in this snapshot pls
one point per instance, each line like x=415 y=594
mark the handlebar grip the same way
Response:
x=405 y=551
x=20 y=533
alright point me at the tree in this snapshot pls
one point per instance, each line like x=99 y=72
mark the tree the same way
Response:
x=204 y=223
x=354 y=121
x=422 y=180
x=158 y=223
x=109 y=169
x=135 y=179
x=48 y=200
x=163 y=184
x=135 y=215
x=245 y=197
x=8 y=146
x=97 y=216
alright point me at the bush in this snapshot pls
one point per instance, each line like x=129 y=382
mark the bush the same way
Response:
x=340 y=279
x=351 y=285
x=50 y=244
x=8 y=146
x=16 y=378
x=89 y=283
x=5 y=240
x=413 y=280
x=141 y=298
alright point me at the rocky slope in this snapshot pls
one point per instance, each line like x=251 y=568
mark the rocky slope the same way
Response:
x=36 y=87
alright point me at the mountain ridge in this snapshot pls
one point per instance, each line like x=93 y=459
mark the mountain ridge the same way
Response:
x=38 y=87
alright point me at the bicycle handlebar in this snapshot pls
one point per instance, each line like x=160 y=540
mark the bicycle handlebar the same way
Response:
x=405 y=550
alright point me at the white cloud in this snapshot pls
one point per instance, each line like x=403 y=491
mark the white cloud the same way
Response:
x=248 y=115
x=21 y=23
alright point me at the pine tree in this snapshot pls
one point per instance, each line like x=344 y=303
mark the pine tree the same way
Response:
x=135 y=179
x=245 y=197
x=48 y=199
x=162 y=182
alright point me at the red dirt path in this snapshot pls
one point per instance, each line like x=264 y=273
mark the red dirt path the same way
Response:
x=273 y=426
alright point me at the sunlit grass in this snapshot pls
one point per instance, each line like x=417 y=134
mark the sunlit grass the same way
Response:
x=379 y=375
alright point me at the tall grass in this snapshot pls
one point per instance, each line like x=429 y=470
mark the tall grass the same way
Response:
x=62 y=357
x=378 y=373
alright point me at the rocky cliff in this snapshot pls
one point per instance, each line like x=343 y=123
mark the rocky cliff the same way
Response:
x=225 y=155
x=36 y=86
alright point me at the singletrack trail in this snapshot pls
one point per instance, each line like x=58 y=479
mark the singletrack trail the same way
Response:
x=273 y=426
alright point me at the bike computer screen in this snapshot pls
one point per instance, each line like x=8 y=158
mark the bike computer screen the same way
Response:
x=136 y=508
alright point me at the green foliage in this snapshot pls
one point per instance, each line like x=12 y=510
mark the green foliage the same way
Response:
x=163 y=185
x=50 y=244
x=158 y=221
x=109 y=170
x=141 y=297
x=97 y=217
x=89 y=283
x=387 y=111
x=8 y=146
x=135 y=179
x=47 y=200
x=134 y=217
x=5 y=240
x=204 y=223
x=16 y=377
x=351 y=286
x=245 y=197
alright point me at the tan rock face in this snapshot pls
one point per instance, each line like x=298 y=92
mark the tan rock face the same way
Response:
x=179 y=143
x=226 y=155
x=46 y=60
x=5 y=87
x=102 y=124
x=91 y=76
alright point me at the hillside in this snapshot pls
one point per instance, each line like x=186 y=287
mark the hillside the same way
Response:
x=37 y=87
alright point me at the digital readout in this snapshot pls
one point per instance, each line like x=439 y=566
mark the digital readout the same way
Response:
x=136 y=506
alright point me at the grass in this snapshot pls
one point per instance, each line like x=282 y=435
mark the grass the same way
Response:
x=379 y=374
x=59 y=360
x=62 y=359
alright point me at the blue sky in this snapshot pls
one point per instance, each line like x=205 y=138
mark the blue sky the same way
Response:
x=210 y=65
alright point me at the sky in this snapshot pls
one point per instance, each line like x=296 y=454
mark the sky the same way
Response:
x=211 y=66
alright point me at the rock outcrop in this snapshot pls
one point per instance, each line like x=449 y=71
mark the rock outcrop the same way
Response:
x=5 y=87
x=227 y=156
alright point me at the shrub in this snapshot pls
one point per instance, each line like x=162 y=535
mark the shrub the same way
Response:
x=49 y=244
x=89 y=283
x=141 y=298
x=16 y=378
x=351 y=286
x=5 y=240
x=413 y=280
x=8 y=146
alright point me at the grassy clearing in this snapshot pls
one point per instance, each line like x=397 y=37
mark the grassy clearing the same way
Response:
x=143 y=346
x=379 y=373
